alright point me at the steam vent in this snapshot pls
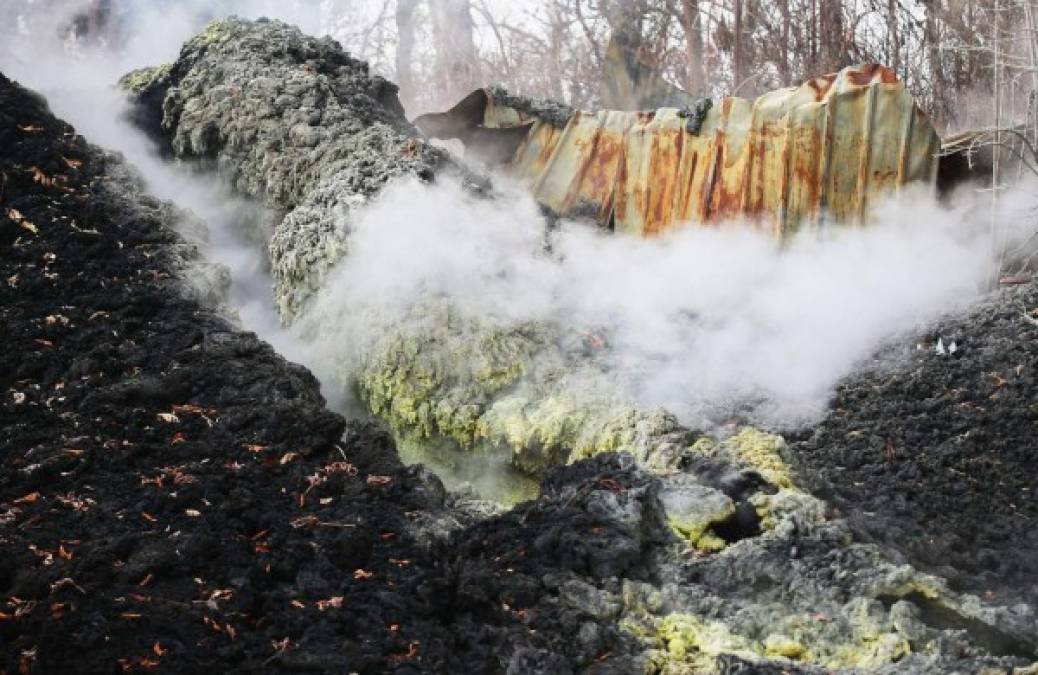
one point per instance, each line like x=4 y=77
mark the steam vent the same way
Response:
x=484 y=490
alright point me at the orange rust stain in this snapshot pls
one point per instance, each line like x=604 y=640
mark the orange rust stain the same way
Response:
x=601 y=167
x=543 y=156
x=869 y=73
x=686 y=204
x=725 y=201
x=713 y=175
x=664 y=162
x=805 y=169
x=620 y=196
x=758 y=162
x=821 y=85
x=671 y=163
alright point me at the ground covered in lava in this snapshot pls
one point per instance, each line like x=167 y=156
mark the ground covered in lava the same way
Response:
x=935 y=457
x=173 y=494
x=175 y=497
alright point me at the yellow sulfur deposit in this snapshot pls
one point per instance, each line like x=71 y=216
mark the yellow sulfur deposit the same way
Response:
x=761 y=451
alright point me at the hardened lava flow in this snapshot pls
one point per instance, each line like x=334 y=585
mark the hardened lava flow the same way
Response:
x=176 y=497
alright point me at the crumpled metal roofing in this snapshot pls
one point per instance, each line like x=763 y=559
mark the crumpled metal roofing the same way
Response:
x=827 y=148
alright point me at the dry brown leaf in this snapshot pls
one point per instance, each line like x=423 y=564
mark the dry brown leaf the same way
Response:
x=27 y=661
x=16 y=216
x=67 y=581
x=159 y=650
x=72 y=163
x=168 y=418
x=410 y=655
x=362 y=574
x=204 y=413
x=340 y=467
x=39 y=177
x=305 y=521
x=333 y=603
x=28 y=499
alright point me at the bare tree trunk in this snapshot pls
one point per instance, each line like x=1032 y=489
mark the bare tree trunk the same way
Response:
x=933 y=58
x=556 y=33
x=405 y=28
x=738 y=74
x=624 y=75
x=893 y=48
x=692 y=24
x=456 y=66
x=833 y=44
x=813 y=61
x=786 y=75
x=996 y=165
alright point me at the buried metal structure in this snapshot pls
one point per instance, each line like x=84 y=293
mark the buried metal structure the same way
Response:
x=787 y=160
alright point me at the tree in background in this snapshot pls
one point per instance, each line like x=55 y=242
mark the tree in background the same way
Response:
x=438 y=50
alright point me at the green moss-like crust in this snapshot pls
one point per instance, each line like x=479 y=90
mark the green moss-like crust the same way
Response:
x=137 y=81
x=508 y=388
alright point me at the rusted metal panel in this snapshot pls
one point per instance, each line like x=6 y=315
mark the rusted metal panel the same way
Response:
x=785 y=160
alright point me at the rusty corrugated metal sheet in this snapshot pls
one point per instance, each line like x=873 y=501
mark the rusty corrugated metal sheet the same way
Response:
x=784 y=159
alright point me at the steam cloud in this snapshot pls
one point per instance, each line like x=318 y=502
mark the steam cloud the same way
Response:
x=697 y=319
x=78 y=78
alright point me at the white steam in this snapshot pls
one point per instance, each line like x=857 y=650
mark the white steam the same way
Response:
x=78 y=78
x=700 y=320
x=697 y=320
